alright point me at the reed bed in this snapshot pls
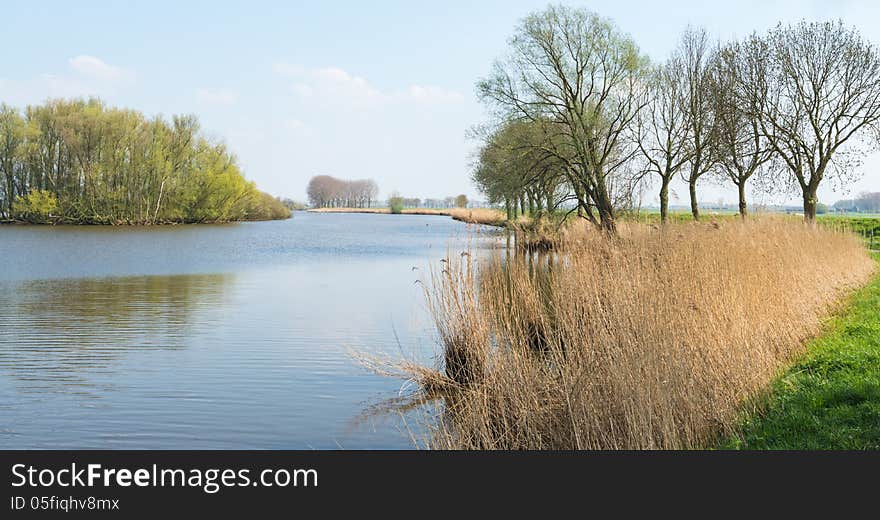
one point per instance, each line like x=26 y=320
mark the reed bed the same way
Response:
x=657 y=339
x=483 y=216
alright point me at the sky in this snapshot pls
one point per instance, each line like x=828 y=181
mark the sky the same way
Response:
x=380 y=89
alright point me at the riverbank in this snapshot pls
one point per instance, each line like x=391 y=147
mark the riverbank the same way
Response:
x=74 y=222
x=482 y=216
x=654 y=341
x=830 y=398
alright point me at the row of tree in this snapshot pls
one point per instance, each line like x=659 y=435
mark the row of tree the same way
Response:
x=583 y=119
x=79 y=161
x=863 y=203
x=325 y=191
x=459 y=201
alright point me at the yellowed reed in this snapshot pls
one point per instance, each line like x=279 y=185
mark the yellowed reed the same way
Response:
x=652 y=340
x=487 y=216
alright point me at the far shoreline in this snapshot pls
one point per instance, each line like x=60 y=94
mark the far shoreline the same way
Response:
x=15 y=222
x=481 y=216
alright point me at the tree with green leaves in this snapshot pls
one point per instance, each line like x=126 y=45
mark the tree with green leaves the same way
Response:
x=95 y=164
x=578 y=77
x=512 y=169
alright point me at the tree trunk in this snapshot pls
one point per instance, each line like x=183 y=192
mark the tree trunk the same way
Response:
x=580 y=200
x=664 y=200
x=606 y=221
x=743 y=210
x=695 y=207
x=810 y=205
x=606 y=213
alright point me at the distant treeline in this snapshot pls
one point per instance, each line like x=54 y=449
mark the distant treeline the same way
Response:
x=459 y=201
x=325 y=191
x=864 y=203
x=78 y=161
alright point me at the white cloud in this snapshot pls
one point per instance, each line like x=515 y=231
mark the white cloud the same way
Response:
x=302 y=89
x=94 y=68
x=433 y=94
x=287 y=69
x=299 y=128
x=86 y=76
x=338 y=86
x=220 y=96
x=90 y=76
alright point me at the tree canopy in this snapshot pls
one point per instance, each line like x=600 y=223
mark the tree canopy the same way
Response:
x=325 y=191
x=581 y=115
x=80 y=161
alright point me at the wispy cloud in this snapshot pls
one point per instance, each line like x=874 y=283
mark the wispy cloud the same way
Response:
x=299 y=128
x=340 y=86
x=431 y=94
x=85 y=76
x=95 y=68
x=219 y=96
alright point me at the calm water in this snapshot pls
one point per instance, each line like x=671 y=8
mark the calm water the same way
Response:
x=233 y=336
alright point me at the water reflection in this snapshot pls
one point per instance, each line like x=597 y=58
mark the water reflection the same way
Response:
x=56 y=333
x=121 y=337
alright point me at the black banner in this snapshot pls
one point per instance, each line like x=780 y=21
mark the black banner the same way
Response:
x=130 y=484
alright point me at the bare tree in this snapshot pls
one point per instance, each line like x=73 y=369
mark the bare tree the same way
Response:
x=326 y=191
x=663 y=129
x=816 y=87
x=695 y=54
x=742 y=150
x=579 y=77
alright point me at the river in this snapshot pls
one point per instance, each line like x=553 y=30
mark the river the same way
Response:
x=214 y=336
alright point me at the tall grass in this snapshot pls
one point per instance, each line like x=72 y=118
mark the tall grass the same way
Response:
x=484 y=216
x=652 y=340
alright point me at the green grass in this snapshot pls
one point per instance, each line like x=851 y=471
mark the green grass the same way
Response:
x=830 y=399
x=868 y=227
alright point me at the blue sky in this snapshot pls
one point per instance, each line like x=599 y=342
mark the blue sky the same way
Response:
x=375 y=89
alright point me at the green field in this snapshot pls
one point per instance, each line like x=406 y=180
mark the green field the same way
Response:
x=830 y=399
x=866 y=226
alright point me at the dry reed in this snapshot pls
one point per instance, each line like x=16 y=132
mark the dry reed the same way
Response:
x=653 y=340
x=484 y=216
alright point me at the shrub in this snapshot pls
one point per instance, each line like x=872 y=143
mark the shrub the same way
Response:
x=37 y=206
x=395 y=204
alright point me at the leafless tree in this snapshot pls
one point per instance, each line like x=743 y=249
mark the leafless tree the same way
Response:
x=326 y=191
x=695 y=52
x=741 y=148
x=663 y=129
x=816 y=87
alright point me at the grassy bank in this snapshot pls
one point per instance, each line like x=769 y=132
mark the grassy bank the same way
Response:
x=482 y=216
x=830 y=399
x=652 y=340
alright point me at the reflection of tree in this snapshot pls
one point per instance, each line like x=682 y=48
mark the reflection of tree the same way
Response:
x=55 y=332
